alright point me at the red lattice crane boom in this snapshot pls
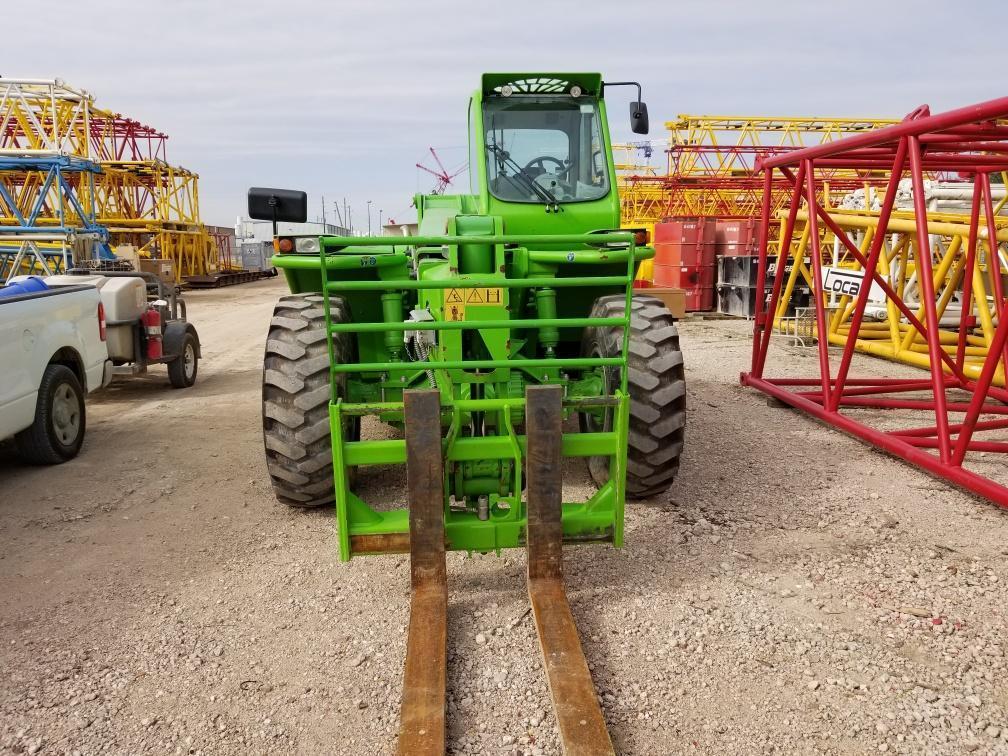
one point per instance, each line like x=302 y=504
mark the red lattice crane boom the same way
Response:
x=443 y=175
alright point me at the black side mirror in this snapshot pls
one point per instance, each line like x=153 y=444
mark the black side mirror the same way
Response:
x=638 y=117
x=277 y=205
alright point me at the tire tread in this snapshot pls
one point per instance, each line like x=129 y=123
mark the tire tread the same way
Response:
x=657 y=383
x=295 y=394
x=35 y=443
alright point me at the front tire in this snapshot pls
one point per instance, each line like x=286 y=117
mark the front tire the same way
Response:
x=295 y=398
x=57 y=433
x=657 y=384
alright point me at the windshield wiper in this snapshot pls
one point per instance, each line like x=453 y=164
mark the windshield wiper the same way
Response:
x=541 y=191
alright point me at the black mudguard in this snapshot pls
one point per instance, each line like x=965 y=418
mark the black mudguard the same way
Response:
x=174 y=333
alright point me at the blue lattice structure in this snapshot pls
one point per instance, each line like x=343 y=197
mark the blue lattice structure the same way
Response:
x=48 y=215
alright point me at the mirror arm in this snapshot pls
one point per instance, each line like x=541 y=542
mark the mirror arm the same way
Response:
x=622 y=84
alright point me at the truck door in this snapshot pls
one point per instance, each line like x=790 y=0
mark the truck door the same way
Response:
x=17 y=338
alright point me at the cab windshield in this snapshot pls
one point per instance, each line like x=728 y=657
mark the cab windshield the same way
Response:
x=544 y=149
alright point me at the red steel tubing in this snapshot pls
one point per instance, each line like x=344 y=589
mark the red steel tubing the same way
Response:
x=817 y=280
x=932 y=443
x=914 y=404
x=873 y=256
x=952 y=381
x=980 y=392
x=883 y=284
x=761 y=330
x=967 y=479
x=925 y=279
x=872 y=390
x=984 y=111
x=995 y=256
x=931 y=430
x=967 y=303
x=967 y=140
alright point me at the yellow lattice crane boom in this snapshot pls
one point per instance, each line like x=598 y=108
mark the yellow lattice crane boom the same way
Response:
x=110 y=171
x=710 y=164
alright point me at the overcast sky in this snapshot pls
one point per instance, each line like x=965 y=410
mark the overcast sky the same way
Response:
x=343 y=98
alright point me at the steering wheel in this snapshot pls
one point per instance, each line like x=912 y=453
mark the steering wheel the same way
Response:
x=539 y=164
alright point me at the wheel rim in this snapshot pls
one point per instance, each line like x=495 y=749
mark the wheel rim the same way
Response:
x=66 y=414
x=189 y=362
x=607 y=374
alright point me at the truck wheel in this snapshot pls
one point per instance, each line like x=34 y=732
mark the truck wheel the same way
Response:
x=657 y=385
x=182 y=370
x=58 y=430
x=296 y=398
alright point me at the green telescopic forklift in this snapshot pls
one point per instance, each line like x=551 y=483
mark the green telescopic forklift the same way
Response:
x=509 y=311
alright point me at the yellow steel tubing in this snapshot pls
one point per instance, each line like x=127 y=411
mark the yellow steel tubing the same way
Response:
x=908 y=225
x=910 y=357
x=940 y=273
x=944 y=336
x=845 y=308
x=892 y=312
x=799 y=262
x=981 y=305
x=894 y=339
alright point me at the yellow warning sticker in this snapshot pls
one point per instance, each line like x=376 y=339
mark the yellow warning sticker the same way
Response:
x=456 y=300
x=479 y=296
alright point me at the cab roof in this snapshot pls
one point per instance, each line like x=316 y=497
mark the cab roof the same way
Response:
x=542 y=83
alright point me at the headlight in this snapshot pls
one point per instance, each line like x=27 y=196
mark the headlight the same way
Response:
x=307 y=245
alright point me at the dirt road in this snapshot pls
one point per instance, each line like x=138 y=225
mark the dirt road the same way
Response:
x=155 y=599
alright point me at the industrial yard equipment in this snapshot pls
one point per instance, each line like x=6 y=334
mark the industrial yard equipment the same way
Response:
x=443 y=175
x=711 y=165
x=945 y=308
x=72 y=172
x=145 y=321
x=511 y=310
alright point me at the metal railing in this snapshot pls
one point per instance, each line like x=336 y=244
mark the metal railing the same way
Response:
x=621 y=254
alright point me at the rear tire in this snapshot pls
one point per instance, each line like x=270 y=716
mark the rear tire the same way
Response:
x=295 y=398
x=657 y=384
x=182 y=370
x=60 y=420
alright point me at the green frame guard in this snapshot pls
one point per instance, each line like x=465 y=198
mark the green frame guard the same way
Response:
x=364 y=528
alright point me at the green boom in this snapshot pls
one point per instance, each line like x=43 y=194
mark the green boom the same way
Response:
x=493 y=295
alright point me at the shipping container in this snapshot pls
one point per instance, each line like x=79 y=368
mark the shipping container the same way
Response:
x=684 y=258
x=684 y=276
x=700 y=299
x=256 y=255
x=697 y=282
x=684 y=241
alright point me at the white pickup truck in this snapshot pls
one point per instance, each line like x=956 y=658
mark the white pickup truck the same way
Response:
x=52 y=352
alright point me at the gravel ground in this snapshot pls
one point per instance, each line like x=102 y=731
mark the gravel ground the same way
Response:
x=794 y=592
